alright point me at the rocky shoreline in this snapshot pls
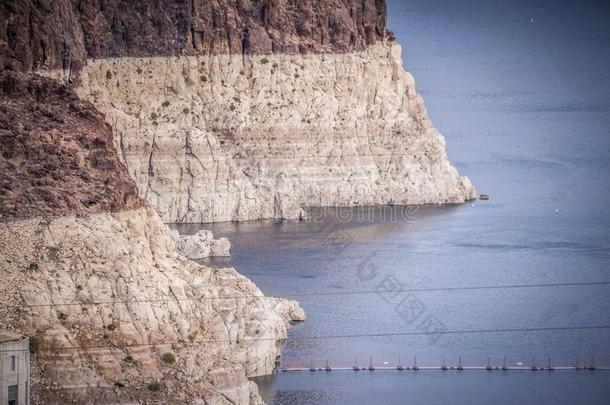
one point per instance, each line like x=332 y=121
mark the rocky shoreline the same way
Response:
x=107 y=297
x=116 y=117
x=92 y=274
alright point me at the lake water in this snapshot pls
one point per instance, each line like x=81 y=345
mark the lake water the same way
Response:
x=521 y=92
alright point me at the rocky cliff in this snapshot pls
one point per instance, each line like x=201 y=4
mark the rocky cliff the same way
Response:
x=243 y=110
x=58 y=156
x=233 y=137
x=63 y=34
x=91 y=273
x=199 y=110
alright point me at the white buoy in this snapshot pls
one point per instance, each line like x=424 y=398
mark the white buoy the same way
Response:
x=556 y=211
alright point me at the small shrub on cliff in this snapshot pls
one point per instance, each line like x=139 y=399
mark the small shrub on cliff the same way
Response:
x=108 y=75
x=203 y=78
x=154 y=386
x=128 y=359
x=33 y=266
x=168 y=358
x=186 y=111
x=232 y=107
x=165 y=104
x=119 y=384
x=264 y=61
x=111 y=327
x=34 y=344
x=236 y=99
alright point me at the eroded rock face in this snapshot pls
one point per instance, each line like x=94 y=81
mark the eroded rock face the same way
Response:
x=200 y=245
x=271 y=106
x=131 y=300
x=228 y=137
x=58 y=155
x=220 y=111
x=62 y=34
x=91 y=272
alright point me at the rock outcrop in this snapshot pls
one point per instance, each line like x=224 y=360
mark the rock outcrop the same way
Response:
x=232 y=137
x=58 y=155
x=200 y=245
x=218 y=110
x=91 y=273
x=244 y=110
x=62 y=34
x=107 y=297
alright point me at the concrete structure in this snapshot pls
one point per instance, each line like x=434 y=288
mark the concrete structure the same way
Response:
x=14 y=369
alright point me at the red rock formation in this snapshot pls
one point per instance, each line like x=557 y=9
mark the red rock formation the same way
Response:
x=63 y=33
x=57 y=153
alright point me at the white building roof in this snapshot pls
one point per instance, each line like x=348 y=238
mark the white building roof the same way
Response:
x=8 y=336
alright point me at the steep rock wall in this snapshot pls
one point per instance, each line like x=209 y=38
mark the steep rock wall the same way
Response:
x=234 y=137
x=58 y=155
x=130 y=299
x=62 y=34
x=242 y=110
x=91 y=273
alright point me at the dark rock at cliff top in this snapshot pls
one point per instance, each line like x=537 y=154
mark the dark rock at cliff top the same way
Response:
x=63 y=33
x=57 y=155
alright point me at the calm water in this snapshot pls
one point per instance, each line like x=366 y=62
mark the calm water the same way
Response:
x=521 y=92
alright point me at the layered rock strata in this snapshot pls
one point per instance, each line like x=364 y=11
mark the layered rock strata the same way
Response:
x=244 y=110
x=91 y=273
x=219 y=110
x=233 y=137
